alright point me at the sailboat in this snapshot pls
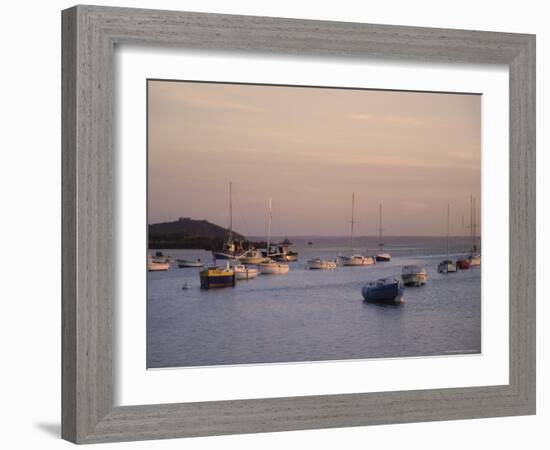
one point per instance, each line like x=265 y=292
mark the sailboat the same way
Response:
x=271 y=267
x=229 y=247
x=464 y=262
x=354 y=259
x=381 y=256
x=475 y=257
x=447 y=266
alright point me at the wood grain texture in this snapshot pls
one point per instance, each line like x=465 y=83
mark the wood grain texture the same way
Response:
x=89 y=36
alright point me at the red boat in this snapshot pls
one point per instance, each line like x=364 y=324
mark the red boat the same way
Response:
x=463 y=264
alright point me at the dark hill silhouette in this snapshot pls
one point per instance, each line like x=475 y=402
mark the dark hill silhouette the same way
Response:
x=190 y=234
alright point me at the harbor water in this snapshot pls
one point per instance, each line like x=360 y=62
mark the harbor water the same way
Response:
x=314 y=315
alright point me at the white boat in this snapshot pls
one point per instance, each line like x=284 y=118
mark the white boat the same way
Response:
x=447 y=266
x=273 y=268
x=156 y=266
x=184 y=263
x=356 y=260
x=320 y=264
x=252 y=257
x=244 y=273
x=414 y=275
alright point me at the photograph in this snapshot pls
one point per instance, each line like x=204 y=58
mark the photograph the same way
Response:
x=292 y=224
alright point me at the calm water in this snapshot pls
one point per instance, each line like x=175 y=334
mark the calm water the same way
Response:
x=310 y=315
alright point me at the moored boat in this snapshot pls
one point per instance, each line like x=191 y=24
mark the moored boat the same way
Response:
x=160 y=257
x=229 y=251
x=356 y=260
x=216 y=277
x=475 y=257
x=269 y=266
x=320 y=264
x=252 y=256
x=474 y=260
x=184 y=263
x=243 y=272
x=381 y=255
x=414 y=275
x=384 y=290
x=463 y=263
x=282 y=252
x=273 y=268
x=156 y=266
x=446 y=266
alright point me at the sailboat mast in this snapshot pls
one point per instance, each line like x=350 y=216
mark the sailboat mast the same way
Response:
x=464 y=236
x=230 y=213
x=352 y=213
x=268 y=228
x=380 y=227
x=448 y=218
x=475 y=231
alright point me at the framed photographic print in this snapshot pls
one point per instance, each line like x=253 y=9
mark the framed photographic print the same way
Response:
x=278 y=224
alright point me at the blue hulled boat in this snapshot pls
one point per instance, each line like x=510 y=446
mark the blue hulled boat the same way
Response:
x=384 y=290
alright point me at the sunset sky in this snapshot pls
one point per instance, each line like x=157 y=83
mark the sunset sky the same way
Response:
x=308 y=149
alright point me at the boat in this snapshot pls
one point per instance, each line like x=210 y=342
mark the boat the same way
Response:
x=474 y=260
x=283 y=253
x=320 y=264
x=414 y=275
x=354 y=259
x=447 y=266
x=463 y=263
x=216 y=277
x=243 y=272
x=184 y=263
x=156 y=266
x=384 y=290
x=475 y=257
x=271 y=267
x=310 y=243
x=229 y=248
x=160 y=257
x=185 y=286
x=252 y=256
x=381 y=255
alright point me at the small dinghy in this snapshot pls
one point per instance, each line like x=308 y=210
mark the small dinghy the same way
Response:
x=384 y=290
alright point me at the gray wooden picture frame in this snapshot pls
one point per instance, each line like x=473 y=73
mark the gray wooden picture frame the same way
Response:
x=89 y=36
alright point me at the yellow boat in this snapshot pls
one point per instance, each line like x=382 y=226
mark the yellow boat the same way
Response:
x=214 y=277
